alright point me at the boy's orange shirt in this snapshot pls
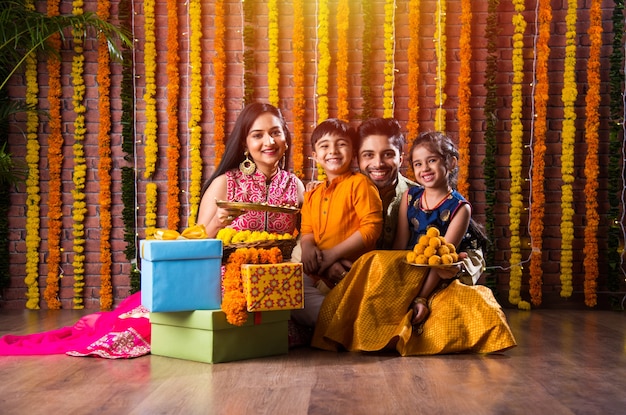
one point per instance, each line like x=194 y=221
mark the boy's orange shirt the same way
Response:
x=334 y=211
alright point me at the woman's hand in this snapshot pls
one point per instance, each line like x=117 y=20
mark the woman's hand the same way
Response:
x=226 y=216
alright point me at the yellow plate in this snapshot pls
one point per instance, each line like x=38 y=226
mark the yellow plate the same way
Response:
x=454 y=264
x=257 y=206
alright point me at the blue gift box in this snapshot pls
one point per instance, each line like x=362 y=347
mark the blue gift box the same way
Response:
x=181 y=275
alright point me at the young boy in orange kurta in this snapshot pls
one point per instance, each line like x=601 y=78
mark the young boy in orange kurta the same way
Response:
x=342 y=216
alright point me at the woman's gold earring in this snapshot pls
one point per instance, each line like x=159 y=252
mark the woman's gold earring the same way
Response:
x=247 y=166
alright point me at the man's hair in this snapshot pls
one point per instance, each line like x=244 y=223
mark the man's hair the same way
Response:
x=333 y=126
x=389 y=127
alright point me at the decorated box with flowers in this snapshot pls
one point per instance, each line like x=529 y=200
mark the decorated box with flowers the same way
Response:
x=181 y=275
x=273 y=286
x=206 y=336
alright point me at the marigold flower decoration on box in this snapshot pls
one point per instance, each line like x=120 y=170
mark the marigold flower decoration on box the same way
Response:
x=234 y=301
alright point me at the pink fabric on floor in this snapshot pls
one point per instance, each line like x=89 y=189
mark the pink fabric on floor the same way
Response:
x=121 y=333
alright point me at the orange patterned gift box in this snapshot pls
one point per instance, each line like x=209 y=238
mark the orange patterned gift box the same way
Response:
x=273 y=286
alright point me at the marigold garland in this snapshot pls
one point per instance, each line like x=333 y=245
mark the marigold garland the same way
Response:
x=105 y=163
x=234 y=301
x=440 y=52
x=343 y=26
x=539 y=149
x=299 y=101
x=79 y=207
x=248 y=50
x=195 y=101
x=517 y=135
x=33 y=199
x=55 y=161
x=150 y=65
x=568 y=136
x=219 y=69
x=414 y=70
x=323 y=63
x=465 y=92
x=389 y=69
x=366 y=59
x=273 y=73
x=173 y=93
x=151 y=209
x=591 y=161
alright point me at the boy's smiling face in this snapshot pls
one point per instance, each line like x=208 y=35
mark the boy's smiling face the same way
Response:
x=334 y=153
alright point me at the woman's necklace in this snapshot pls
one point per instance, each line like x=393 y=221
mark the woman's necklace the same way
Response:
x=424 y=201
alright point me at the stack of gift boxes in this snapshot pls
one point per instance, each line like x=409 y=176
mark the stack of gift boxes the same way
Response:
x=181 y=286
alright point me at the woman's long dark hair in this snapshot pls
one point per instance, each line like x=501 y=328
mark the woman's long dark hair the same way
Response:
x=236 y=142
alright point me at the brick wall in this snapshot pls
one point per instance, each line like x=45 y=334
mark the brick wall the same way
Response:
x=13 y=297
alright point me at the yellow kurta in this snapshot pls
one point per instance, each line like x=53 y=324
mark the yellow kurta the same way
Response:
x=370 y=307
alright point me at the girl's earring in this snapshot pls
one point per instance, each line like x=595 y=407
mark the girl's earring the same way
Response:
x=247 y=166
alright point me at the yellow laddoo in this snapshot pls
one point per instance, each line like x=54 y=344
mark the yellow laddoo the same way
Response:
x=430 y=251
x=434 y=260
x=446 y=259
x=419 y=248
x=421 y=259
x=434 y=242
x=443 y=250
x=423 y=240
x=432 y=232
x=410 y=257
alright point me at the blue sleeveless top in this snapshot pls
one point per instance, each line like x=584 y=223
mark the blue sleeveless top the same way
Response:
x=420 y=219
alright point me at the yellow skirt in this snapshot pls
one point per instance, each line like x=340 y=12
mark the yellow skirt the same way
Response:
x=369 y=309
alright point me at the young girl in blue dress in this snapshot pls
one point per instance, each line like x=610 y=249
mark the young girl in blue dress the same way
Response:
x=436 y=202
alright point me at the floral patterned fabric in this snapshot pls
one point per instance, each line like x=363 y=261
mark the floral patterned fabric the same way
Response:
x=121 y=333
x=282 y=189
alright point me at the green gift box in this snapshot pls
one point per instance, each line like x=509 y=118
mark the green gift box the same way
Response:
x=206 y=336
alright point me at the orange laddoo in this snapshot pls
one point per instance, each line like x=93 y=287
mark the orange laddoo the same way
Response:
x=410 y=257
x=421 y=259
x=434 y=260
x=446 y=259
x=434 y=242
x=419 y=248
x=432 y=232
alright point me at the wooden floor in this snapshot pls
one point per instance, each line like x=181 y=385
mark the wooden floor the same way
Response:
x=566 y=362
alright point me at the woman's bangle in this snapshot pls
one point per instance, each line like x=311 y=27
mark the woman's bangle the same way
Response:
x=420 y=300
